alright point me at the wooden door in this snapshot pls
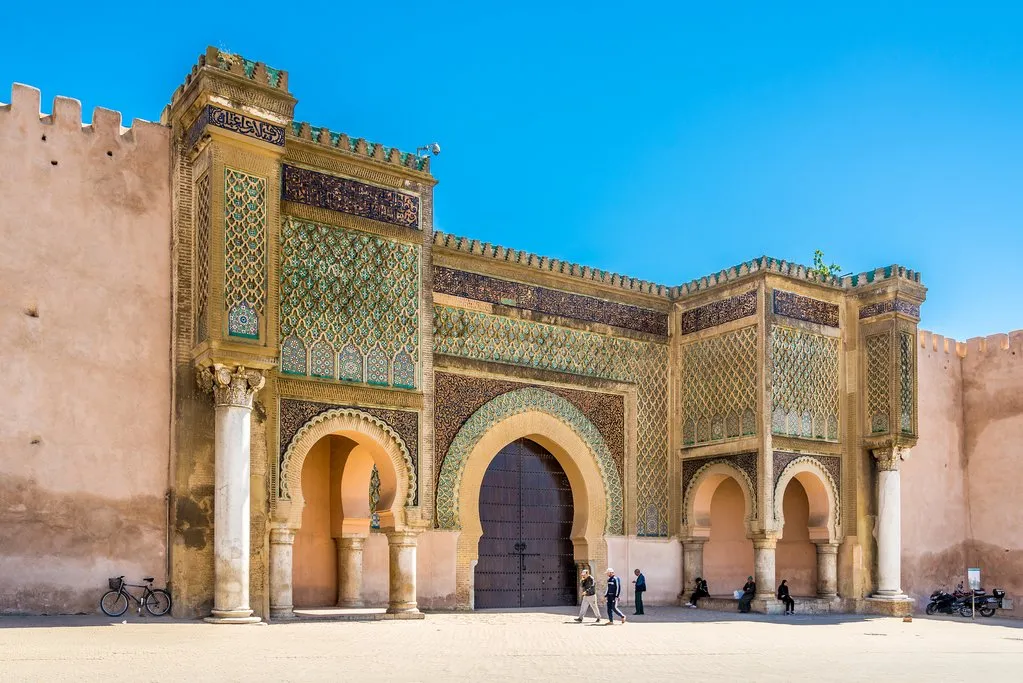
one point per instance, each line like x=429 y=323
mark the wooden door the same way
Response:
x=525 y=553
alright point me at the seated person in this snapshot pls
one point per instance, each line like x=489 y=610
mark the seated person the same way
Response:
x=700 y=592
x=748 y=591
x=783 y=595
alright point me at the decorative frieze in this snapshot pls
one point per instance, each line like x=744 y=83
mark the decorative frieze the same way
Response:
x=485 y=337
x=295 y=413
x=804 y=384
x=745 y=463
x=792 y=305
x=350 y=196
x=719 y=387
x=832 y=464
x=513 y=403
x=907 y=383
x=349 y=305
x=879 y=353
x=459 y=396
x=550 y=301
x=897 y=305
x=720 y=312
x=212 y=115
x=245 y=218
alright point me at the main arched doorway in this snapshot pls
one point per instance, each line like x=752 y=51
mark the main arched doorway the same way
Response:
x=526 y=556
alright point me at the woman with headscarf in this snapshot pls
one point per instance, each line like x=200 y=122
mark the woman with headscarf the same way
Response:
x=783 y=595
x=748 y=591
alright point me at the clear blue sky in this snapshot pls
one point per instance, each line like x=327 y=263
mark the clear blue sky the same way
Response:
x=664 y=141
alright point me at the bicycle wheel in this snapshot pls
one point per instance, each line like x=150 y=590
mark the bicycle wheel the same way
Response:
x=158 y=602
x=113 y=603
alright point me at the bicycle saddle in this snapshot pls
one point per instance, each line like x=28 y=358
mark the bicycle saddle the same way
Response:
x=148 y=579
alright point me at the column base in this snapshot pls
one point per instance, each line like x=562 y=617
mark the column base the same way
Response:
x=237 y=616
x=283 y=612
x=345 y=604
x=403 y=608
x=892 y=606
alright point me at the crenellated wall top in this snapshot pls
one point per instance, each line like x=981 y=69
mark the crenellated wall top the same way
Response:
x=747 y=269
x=359 y=146
x=1012 y=341
x=66 y=115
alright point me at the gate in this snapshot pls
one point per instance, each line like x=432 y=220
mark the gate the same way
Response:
x=525 y=553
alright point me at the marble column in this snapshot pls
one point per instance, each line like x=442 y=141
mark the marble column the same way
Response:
x=282 y=541
x=233 y=390
x=889 y=522
x=763 y=566
x=692 y=565
x=349 y=571
x=827 y=570
x=402 y=548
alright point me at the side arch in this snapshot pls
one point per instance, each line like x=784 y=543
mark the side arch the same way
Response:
x=387 y=447
x=518 y=402
x=821 y=491
x=700 y=491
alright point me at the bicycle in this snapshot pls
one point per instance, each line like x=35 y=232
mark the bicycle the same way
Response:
x=114 y=602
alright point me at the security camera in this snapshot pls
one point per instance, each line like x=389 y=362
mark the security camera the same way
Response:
x=432 y=148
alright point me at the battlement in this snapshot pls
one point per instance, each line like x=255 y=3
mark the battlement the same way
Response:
x=359 y=146
x=499 y=253
x=1013 y=341
x=25 y=106
x=257 y=72
x=793 y=270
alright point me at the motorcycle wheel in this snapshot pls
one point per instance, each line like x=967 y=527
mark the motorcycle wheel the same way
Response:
x=986 y=611
x=931 y=607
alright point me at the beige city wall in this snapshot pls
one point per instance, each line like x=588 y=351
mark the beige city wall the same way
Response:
x=993 y=439
x=960 y=486
x=85 y=351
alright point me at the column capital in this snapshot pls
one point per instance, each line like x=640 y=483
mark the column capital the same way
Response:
x=765 y=540
x=826 y=547
x=231 y=386
x=402 y=537
x=353 y=541
x=282 y=536
x=888 y=458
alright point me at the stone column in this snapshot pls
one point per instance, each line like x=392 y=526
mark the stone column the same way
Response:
x=827 y=570
x=282 y=541
x=692 y=565
x=349 y=571
x=889 y=522
x=233 y=391
x=763 y=566
x=402 y=547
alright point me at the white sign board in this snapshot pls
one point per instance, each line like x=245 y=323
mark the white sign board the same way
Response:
x=973 y=578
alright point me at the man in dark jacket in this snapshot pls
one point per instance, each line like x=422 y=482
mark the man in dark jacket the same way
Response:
x=612 y=595
x=640 y=589
x=589 y=597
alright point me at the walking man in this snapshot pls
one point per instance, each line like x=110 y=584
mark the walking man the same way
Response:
x=589 y=598
x=640 y=589
x=612 y=595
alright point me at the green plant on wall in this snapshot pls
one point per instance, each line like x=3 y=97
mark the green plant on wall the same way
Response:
x=823 y=270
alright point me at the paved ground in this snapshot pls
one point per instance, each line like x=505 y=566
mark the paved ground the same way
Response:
x=666 y=644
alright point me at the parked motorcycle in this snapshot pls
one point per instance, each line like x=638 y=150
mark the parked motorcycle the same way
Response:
x=943 y=602
x=984 y=604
